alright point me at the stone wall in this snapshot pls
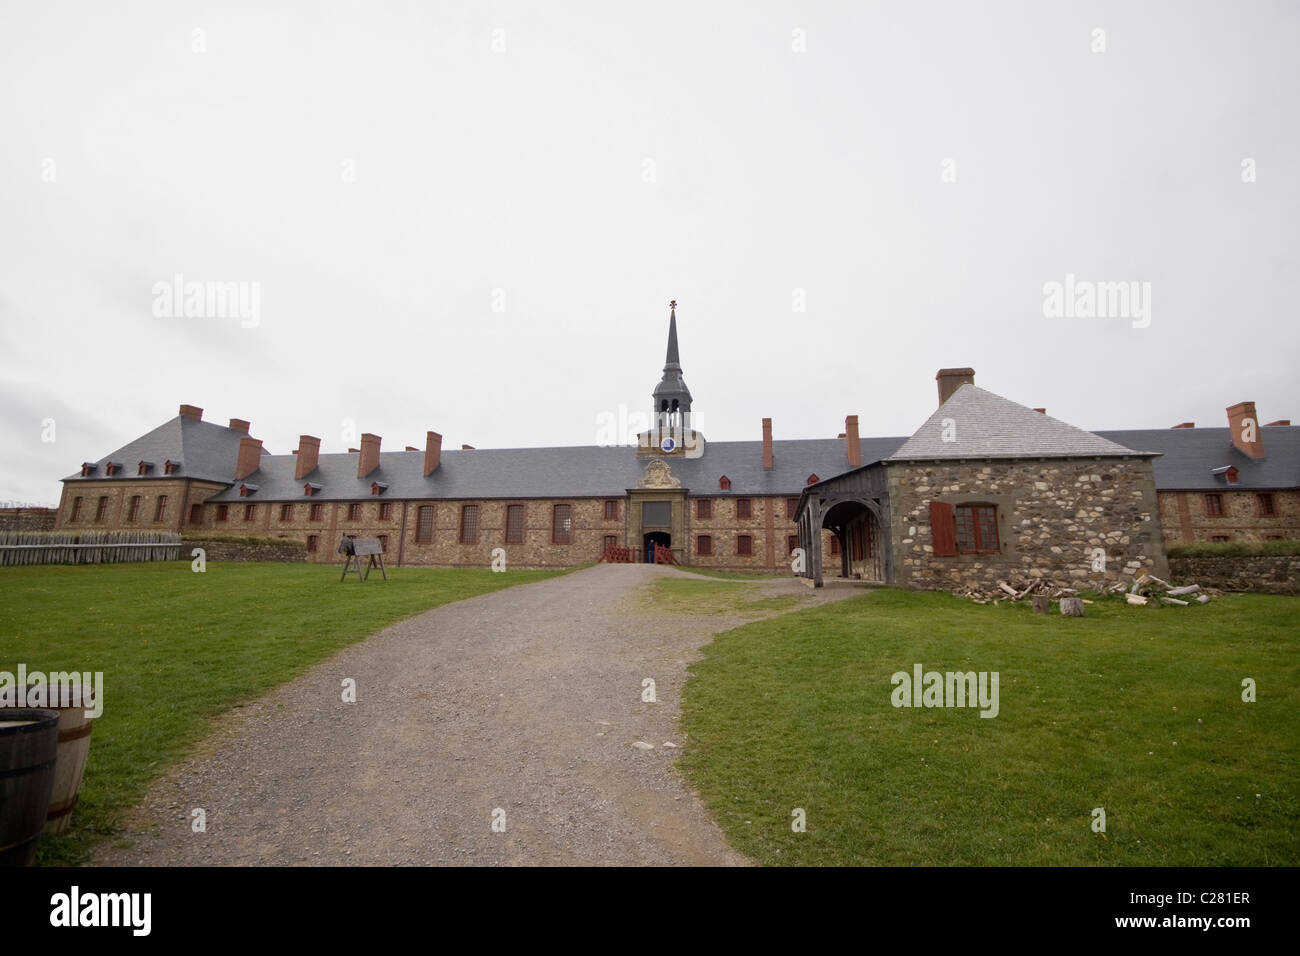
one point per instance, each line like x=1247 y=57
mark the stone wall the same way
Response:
x=319 y=526
x=767 y=526
x=395 y=523
x=1186 y=518
x=1052 y=515
x=158 y=503
x=1271 y=573
x=27 y=519
x=586 y=537
x=285 y=549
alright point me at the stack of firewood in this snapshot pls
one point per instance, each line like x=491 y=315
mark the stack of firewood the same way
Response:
x=1144 y=588
x=1006 y=592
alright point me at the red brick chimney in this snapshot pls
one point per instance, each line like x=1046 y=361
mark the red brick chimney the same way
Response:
x=1243 y=423
x=192 y=411
x=852 y=446
x=432 y=453
x=250 y=457
x=951 y=379
x=1185 y=425
x=768 y=460
x=239 y=425
x=369 y=459
x=308 y=456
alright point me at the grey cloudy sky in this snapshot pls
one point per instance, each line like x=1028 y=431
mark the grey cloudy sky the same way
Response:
x=388 y=173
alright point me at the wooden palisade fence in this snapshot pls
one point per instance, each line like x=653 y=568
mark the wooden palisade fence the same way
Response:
x=87 y=547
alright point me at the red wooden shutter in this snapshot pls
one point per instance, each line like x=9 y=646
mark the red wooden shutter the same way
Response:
x=943 y=529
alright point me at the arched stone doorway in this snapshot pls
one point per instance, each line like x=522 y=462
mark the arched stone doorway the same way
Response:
x=661 y=538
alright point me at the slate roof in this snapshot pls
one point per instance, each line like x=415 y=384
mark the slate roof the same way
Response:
x=986 y=425
x=204 y=449
x=1189 y=455
x=578 y=472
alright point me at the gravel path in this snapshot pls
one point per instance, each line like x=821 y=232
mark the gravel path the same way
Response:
x=527 y=700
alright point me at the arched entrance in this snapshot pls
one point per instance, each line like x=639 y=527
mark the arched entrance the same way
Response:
x=661 y=538
x=858 y=532
x=854 y=506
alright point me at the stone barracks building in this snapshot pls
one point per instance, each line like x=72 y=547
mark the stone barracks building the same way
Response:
x=986 y=488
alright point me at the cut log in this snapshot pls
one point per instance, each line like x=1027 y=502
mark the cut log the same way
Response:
x=1174 y=601
x=1086 y=601
x=1042 y=604
x=1071 y=607
x=1135 y=599
x=1155 y=580
x=1190 y=589
x=1008 y=588
x=1137 y=583
x=1025 y=591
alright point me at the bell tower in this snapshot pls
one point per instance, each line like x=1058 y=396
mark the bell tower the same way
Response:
x=671 y=397
x=672 y=432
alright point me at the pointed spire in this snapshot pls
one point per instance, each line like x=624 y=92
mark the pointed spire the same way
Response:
x=671 y=394
x=672 y=361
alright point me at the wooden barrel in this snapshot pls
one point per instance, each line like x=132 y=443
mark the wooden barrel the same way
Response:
x=74 y=748
x=29 y=744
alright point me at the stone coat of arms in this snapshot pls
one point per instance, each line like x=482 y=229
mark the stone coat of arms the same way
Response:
x=658 y=475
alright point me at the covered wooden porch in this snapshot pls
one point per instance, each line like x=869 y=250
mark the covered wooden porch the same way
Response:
x=854 y=507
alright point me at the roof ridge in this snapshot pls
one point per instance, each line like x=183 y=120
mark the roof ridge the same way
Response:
x=976 y=423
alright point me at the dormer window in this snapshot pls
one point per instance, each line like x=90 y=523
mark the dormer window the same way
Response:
x=87 y=469
x=1227 y=472
x=144 y=468
x=378 y=487
x=724 y=483
x=112 y=467
x=171 y=467
x=246 y=489
x=310 y=488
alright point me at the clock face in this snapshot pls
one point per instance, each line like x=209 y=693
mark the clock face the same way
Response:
x=668 y=444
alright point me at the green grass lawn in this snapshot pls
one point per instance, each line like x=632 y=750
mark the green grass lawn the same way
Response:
x=179 y=648
x=682 y=596
x=1134 y=710
x=764 y=575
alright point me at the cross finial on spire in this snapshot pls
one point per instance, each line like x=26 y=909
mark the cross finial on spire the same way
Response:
x=672 y=304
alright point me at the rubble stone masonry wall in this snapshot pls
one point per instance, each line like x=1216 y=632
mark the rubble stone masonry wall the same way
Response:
x=1187 y=516
x=1270 y=574
x=1052 y=515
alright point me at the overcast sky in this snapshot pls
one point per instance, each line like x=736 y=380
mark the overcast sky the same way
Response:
x=471 y=217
